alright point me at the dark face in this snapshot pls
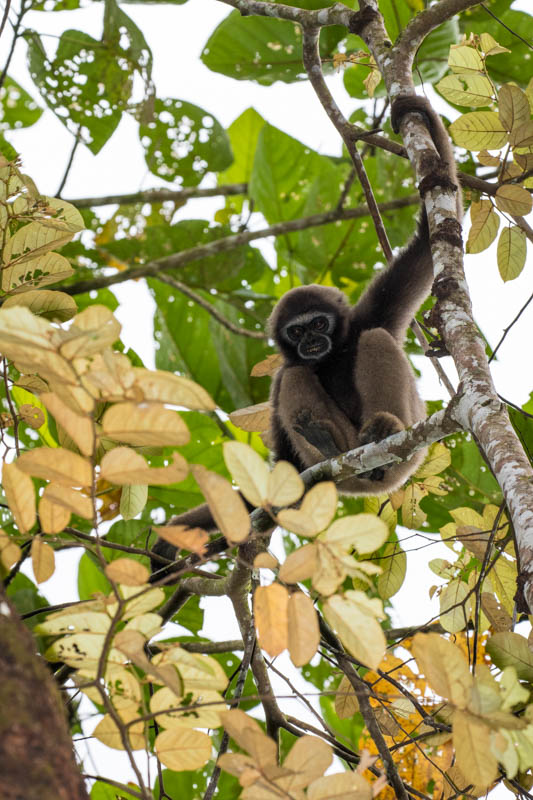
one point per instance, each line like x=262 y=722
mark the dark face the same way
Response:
x=310 y=334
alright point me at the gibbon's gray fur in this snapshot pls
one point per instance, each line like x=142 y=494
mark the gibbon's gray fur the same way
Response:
x=345 y=380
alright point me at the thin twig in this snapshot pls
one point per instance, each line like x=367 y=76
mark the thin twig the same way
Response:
x=70 y=162
x=508 y=328
x=159 y=196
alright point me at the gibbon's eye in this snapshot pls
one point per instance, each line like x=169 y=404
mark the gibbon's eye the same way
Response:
x=295 y=332
x=320 y=324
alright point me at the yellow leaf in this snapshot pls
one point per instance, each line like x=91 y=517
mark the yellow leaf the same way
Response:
x=72 y=500
x=473 y=753
x=495 y=613
x=27 y=244
x=308 y=758
x=265 y=561
x=55 y=306
x=42 y=560
x=464 y=59
x=412 y=515
x=56 y=464
x=248 y=470
x=182 y=749
x=444 y=666
x=53 y=518
x=513 y=106
x=184 y=538
x=92 y=330
x=128 y=572
x=455 y=606
x=488 y=160
x=353 y=616
x=303 y=630
x=123 y=466
x=132 y=500
x=316 y=512
x=107 y=731
x=152 y=425
x=187 y=711
x=394 y=565
x=284 y=485
x=164 y=387
x=49 y=267
x=365 y=532
x=479 y=130
x=68 y=622
x=250 y=737
x=252 y=418
x=514 y=200
x=484 y=227
x=511 y=252
x=271 y=617
x=10 y=552
x=466 y=90
x=226 y=505
x=346 y=702
x=300 y=564
x=20 y=496
x=268 y=366
x=79 y=428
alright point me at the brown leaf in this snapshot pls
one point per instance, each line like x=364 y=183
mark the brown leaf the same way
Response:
x=184 y=538
x=271 y=617
x=225 y=504
x=42 y=559
x=20 y=496
x=56 y=464
x=303 y=630
x=127 y=572
x=252 y=418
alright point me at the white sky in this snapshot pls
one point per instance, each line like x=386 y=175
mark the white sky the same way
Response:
x=176 y=35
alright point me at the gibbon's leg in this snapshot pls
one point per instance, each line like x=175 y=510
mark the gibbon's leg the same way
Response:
x=314 y=424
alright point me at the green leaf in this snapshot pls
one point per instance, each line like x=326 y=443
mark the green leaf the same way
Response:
x=133 y=500
x=511 y=253
x=91 y=578
x=510 y=649
x=479 y=130
x=509 y=66
x=393 y=562
x=17 y=108
x=262 y=49
x=243 y=135
x=466 y=90
x=183 y=141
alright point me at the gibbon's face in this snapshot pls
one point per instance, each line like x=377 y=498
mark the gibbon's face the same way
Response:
x=310 y=334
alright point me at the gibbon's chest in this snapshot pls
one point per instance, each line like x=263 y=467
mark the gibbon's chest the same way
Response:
x=337 y=377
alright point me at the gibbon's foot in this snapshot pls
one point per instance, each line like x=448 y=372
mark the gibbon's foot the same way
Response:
x=380 y=426
x=318 y=437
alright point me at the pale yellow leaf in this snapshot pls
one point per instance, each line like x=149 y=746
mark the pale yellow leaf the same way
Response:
x=514 y=200
x=248 y=470
x=412 y=515
x=42 y=270
x=132 y=500
x=393 y=562
x=182 y=749
x=28 y=243
x=309 y=757
x=496 y=614
x=490 y=46
x=128 y=572
x=184 y=538
x=140 y=603
x=265 y=561
x=268 y=366
x=10 y=552
x=300 y=564
x=488 y=160
x=42 y=560
x=74 y=622
x=107 y=731
x=297 y=521
x=466 y=90
x=72 y=500
x=333 y=565
x=55 y=306
x=79 y=427
x=271 y=617
x=284 y=485
x=444 y=666
x=437 y=460
x=365 y=532
x=513 y=106
x=53 y=518
x=479 y=130
x=373 y=79
x=455 y=606
x=165 y=387
x=237 y=764
x=250 y=737
x=66 y=217
x=84 y=340
x=123 y=466
x=226 y=505
x=81 y=650
x=56 y=464
x=484 y=227
x=252 y=418
x=346 y=702
x=464 y=59
x=353 y=616
x=151 y=425
x=342 y=786
x=472 y=742
x=20 y=496
x=511 y=252
x=195 y=710
x=316 y=512
x=303 y=630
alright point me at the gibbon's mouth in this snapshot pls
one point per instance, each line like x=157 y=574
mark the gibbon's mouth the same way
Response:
x=315 y=350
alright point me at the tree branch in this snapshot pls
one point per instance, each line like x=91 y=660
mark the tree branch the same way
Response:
x=159 y=196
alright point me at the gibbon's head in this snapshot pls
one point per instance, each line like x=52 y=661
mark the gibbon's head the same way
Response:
x=309 y=323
